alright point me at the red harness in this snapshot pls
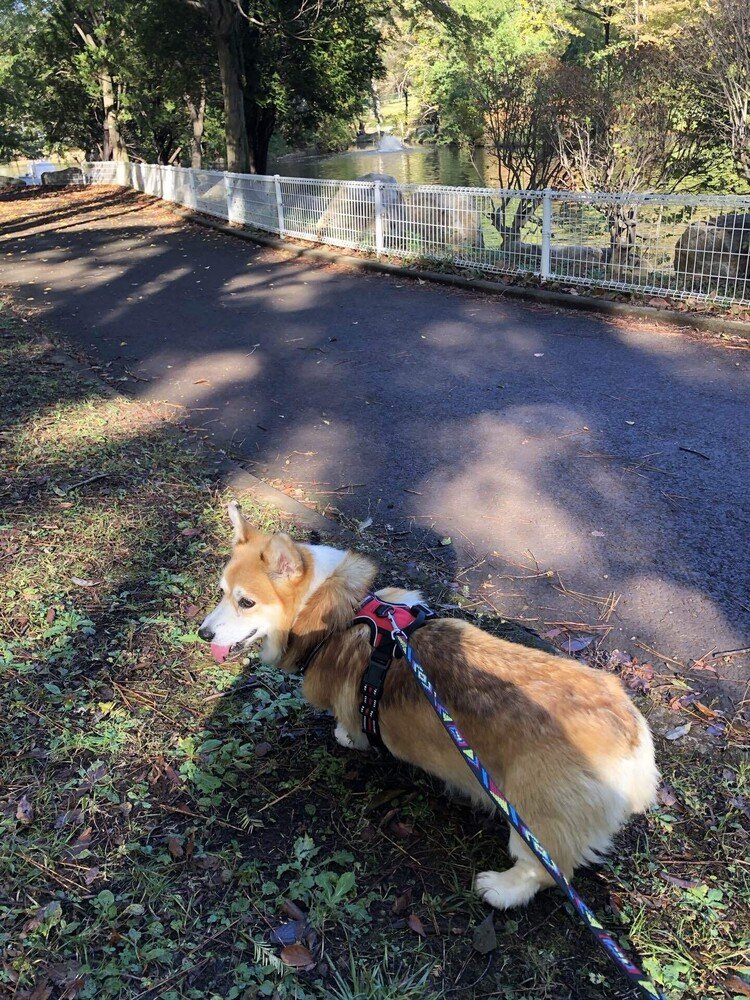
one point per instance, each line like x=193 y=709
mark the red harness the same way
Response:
x=383 y=619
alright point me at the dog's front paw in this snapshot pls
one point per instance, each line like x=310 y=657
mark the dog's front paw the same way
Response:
x=342 y=736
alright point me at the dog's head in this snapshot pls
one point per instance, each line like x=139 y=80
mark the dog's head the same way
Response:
x=261 y=586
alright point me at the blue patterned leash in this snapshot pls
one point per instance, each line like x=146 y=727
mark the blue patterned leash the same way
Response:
x=637 y=979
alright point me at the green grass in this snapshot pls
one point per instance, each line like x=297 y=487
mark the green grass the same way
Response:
x=155 y=827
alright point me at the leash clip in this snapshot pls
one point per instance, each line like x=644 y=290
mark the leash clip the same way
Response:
x=396 y=631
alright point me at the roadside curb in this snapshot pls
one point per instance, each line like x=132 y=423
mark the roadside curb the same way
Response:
x=583 y=303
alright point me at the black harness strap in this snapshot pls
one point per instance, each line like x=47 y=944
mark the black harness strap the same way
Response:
x=379 y=617
x=306 y=663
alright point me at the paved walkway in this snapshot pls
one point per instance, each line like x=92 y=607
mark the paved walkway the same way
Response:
x=617 y=456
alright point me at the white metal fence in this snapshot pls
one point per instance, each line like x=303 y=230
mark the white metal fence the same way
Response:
x=680 y=246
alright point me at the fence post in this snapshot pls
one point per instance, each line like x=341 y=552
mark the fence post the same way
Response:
x=230 y=188
x=193 y=202
x=546 y=233
x=279 y=204
x=378 y=218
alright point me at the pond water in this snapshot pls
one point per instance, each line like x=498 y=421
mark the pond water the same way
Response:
x=409 y=165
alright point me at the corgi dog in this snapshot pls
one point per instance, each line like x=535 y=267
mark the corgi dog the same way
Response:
x=562 y=741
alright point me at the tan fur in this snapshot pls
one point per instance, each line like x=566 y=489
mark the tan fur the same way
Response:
x=563 y=741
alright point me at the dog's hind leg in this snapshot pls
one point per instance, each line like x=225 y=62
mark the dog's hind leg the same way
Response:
x=516 y=886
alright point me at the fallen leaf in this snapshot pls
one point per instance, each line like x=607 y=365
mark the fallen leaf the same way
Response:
x=702 y=665
x=639 y=677
x=65 y=974
x=262 y=749
x=678 y=732
x=289 y=933
x=191 y=532
x=389 y=816
x=297 y=956
x=50 y=616
x=201 y=381
x=79 y=582
x=738 y=986
x=191 y=611
x=208 y=862
x=52 y=912
x=682 y=701
x=79 y=845
x=367 y=833
x=24 y=811
x=42 y=991
x=681 y=883
x=447 y=540
x=402 y=830
x=403 y=902
x=292 y=910
x=415 y=924
x=484 y=939
x=90 y=875
x=70 y=818
x=741 y=803
x=576 y=645
x=175 y=848
x=666 y=796
x=91 y=777
x=172 y=775
x=705 y=710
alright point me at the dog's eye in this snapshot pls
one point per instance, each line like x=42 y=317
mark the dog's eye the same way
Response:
x=245 y=602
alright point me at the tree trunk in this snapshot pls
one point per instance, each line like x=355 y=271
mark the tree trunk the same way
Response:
x=164 y=143
x=113 y=141
x=230 y=68
x=260 y=125
x=375 y=105
x=197 y=122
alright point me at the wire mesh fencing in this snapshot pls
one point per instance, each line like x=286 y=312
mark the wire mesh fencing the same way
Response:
x=677 y=246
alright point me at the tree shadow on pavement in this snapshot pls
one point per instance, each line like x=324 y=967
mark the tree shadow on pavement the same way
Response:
x=553 y=449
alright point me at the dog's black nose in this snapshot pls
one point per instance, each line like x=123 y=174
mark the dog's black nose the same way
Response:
x=205 y=633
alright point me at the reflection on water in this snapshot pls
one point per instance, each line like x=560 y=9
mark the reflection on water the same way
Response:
x=416 y=165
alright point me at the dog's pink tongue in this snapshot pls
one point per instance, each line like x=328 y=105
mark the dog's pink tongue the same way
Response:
x=219 y=653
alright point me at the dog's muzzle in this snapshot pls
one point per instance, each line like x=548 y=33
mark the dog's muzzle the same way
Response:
x=221 y=653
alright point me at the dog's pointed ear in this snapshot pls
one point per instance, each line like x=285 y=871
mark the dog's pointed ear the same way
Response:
x=243 y=530
x=283 y=558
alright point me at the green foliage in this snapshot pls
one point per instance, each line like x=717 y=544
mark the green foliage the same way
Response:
x=513 y=75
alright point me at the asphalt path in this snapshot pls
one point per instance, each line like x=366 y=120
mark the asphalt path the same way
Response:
x=612 y=457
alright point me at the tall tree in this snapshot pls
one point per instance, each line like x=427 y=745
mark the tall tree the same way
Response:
x=227 y=20
x=286 y=64
x=716 y=56
x=96 y=28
